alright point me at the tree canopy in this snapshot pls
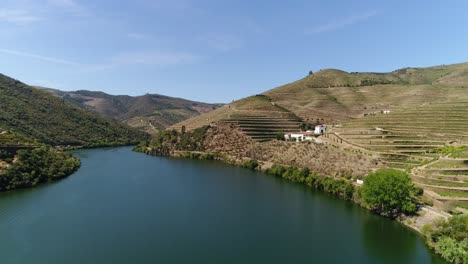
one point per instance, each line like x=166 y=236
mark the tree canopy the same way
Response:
x=389 y=192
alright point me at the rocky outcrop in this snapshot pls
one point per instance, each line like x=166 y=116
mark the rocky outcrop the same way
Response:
x=227 y=139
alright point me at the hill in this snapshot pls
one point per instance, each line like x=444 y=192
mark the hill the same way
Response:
x=35 y=115
x=149 y=112
x=338 y=96
x=411 y=119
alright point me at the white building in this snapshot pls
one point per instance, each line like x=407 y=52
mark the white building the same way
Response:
x=320 y=129
x=300 y=136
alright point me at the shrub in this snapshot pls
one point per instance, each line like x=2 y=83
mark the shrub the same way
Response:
x=339 y=187
x=449 y=238
x=280 y=136
x=250 y=164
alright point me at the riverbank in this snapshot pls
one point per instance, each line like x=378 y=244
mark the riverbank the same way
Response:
x=29 y=168
x=343 y=187
x=213 y=212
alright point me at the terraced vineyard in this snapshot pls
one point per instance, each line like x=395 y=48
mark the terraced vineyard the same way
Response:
x=263 y=127
x=257 y=116
x=408 y=138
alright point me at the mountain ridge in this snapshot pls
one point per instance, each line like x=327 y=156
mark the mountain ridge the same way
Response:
x=148 y=112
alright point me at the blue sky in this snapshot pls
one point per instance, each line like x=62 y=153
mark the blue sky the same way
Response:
x=218 y=51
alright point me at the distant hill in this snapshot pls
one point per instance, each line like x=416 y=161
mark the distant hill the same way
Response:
x=32 y=115
x=148 y=112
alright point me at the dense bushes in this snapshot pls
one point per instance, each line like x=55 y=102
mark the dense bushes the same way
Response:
x=390 y=193
x=280 y=136
x=449 y=238
x=40 y=165
x=340 y=187
x=167 y=140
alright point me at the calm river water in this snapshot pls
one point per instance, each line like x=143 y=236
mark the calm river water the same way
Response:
x=126 y=207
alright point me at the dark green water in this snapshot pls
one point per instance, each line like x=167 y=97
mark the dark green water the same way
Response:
x=125 y=207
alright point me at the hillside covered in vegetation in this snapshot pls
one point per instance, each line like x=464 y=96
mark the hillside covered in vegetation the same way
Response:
x=30 y=167
x=148 y=112
x=35 y=114
x=34 y=123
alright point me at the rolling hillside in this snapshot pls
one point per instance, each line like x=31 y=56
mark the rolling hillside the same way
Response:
x=338 y=96
x=34 y=115
x=149 y=112
x=404 y=117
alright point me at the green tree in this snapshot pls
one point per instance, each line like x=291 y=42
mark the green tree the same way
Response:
x=305 y=126
x=389 y=192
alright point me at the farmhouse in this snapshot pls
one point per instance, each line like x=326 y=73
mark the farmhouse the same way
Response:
x=320 y=129
x=300 y=136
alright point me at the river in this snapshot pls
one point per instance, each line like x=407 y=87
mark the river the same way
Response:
x=126 y=207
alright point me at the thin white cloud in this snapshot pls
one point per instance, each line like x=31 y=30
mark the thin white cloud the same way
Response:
x=151 y=58
x=345 y=22
x=27 y=12
x=38 y=57
x=17 y=16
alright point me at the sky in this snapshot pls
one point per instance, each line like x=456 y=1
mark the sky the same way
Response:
x=220 y=50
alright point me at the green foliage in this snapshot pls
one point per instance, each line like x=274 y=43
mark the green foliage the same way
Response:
x=305 y=126
x=193 y=140
x=280 y=136
x=454 y=152
x=250 y=164
x=371 y=82
x=389 y=192
x=4 y=155
x=167 y=140
x=36 y=166
x=200 y=155
x=452 y=251
x=340 y=187
x=449 y=238
x=39 y=115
